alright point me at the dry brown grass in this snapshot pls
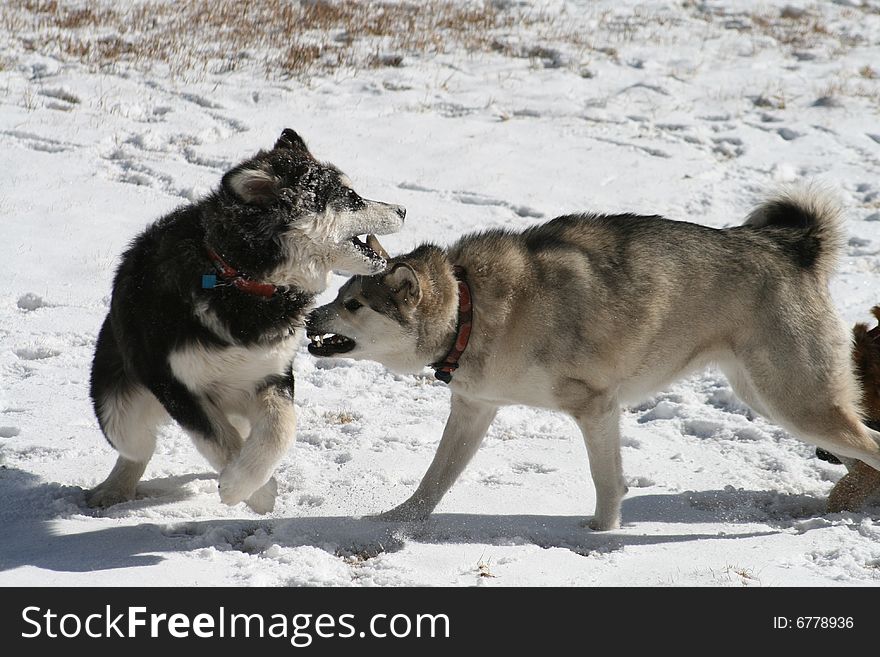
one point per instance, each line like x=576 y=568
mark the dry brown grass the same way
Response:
x=286 y=39
x=798 y=30
x=793 y=27
x=341 y=417
x=282 y=39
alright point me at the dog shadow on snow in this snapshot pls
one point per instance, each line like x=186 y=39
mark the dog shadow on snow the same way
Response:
x=30 y=539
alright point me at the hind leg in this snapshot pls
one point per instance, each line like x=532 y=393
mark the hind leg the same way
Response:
x=740 y=382
x=742 y=387
x=813 y=398
x=129 y=419
x=119 y=486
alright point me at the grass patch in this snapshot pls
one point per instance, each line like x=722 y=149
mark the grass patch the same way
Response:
x=341 y=417
x=285 y=39
x=282 y=39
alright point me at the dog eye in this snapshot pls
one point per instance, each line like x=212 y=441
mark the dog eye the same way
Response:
x=352 y=304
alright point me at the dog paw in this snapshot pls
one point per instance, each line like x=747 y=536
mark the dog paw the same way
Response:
x=598 y=524
x=103 y=496
x=263 y=500
x=237 y=485
x=853 y=490
x=405 y=513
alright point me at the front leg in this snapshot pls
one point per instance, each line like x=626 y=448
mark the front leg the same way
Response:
x=273 y=425
x=220 y=441
x=467 y=425
x=201 y=417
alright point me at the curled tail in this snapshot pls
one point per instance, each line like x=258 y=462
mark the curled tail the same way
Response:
x=807 y=222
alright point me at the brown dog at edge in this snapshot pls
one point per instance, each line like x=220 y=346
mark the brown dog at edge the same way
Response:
x=862 y=481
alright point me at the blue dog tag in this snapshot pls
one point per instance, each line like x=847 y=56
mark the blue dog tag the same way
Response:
x=209 y=281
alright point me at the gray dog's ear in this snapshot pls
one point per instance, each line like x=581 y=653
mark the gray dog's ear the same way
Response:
x=253 y=186
x=373 y=243
x=290 y=139
x=404 y=284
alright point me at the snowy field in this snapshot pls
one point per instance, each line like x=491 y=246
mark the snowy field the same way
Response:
x=687 y=109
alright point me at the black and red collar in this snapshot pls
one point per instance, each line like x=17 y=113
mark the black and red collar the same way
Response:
x=444 y=369
x=233 y=277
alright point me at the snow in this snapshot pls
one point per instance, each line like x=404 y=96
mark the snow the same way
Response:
x=691 y=110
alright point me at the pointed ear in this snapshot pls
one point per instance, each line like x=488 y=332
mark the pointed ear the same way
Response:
x=404 y=284
x=290 y=139
x=373 y=243
x=253 y=186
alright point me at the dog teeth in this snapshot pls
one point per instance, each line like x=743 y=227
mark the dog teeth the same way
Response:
x=330 y=339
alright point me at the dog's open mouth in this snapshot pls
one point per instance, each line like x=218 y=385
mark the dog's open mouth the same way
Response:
x=361 y=245
x=323 y=344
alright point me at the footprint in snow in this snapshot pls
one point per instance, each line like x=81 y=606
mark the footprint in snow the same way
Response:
x=38 y=142
x=702 y=428
x=859 y=246
x=652 y=402
x=749 y=433
x=537 y=468
x=9 y=432
x=36 y=352
x=30 y=301
x=728 y=147
x=664 y=410
x=724 y=399
x=62 y=95
x=201 y=101
x=311 y=501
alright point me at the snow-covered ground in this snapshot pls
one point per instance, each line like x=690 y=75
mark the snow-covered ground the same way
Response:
x=689 y=109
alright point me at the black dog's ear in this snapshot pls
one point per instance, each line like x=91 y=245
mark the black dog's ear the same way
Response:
x=290 y=139
x=253 y=186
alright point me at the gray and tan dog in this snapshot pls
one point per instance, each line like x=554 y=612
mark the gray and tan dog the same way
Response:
x=588 y=312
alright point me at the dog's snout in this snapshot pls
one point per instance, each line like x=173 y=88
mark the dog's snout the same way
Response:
x=311 y=328
x=401 y=211
x=316 y=321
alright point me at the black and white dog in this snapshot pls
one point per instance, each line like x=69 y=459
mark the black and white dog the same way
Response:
x=205 y=315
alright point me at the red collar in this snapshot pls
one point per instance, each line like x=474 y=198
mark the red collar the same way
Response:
x=444 y=369
x=234 y=277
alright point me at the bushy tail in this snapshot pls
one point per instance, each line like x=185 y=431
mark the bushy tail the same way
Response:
x=808 y=224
